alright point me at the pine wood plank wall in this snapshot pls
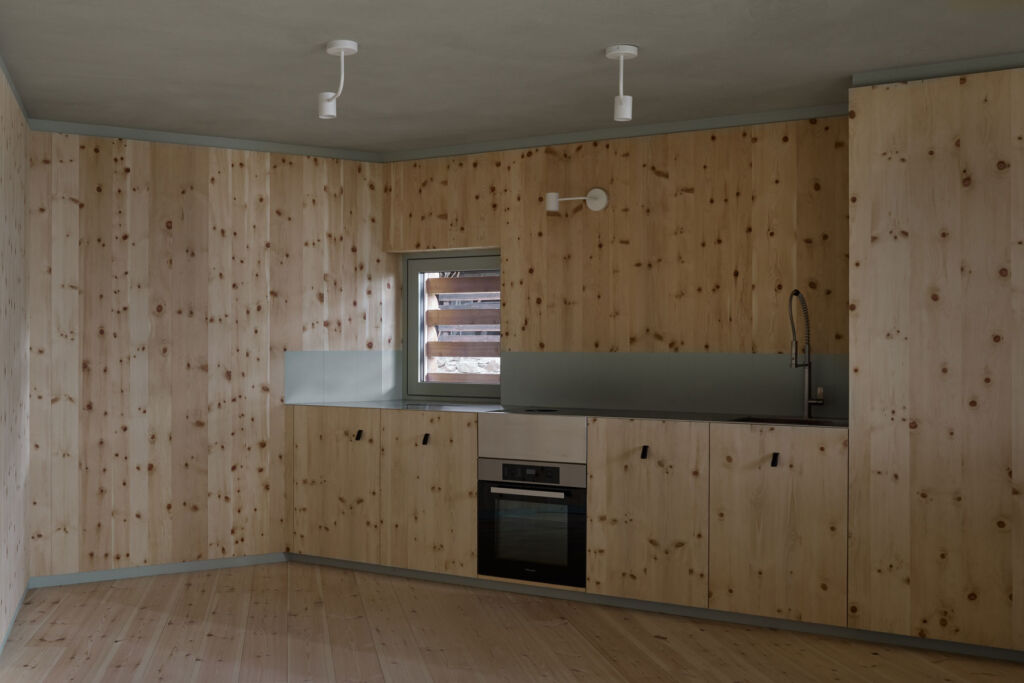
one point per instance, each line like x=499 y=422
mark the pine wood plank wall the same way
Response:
x=14 y=453
x=937 y=358
x=704 y=237
x=166 y=283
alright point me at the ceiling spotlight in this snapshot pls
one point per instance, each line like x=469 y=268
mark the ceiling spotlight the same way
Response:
x=623 y=103
x=328 y=101
x=596 y=200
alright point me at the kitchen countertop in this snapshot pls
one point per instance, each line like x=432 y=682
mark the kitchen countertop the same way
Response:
x=586 y=412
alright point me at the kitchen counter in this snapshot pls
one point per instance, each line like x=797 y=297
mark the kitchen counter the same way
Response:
x=586 y=412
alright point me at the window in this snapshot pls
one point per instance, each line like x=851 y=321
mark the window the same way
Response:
x=453 y=312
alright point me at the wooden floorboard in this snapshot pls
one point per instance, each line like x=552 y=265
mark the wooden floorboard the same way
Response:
x=286 y=623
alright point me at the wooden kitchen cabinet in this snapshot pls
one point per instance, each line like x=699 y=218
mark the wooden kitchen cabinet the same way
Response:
x=337 y=483
x=647 y=517
x=779 y=521
x=429 y=480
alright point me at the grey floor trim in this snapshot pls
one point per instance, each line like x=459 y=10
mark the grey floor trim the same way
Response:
x=944 y=646
x=822 y=111
x=10 y=627
x=956 y=67
x=154 y=570
x=101 y=131
x=14 y=88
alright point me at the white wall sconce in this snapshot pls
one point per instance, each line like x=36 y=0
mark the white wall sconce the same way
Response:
x=596 y=200
x=623 y=103
x=328 y=101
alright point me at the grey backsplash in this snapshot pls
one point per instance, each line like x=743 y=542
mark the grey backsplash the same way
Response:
x=342 y=376
x=730 y=383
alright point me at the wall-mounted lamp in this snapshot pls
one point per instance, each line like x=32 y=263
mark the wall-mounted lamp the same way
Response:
x=596 y=200
x=623 y=103
x=328 y=101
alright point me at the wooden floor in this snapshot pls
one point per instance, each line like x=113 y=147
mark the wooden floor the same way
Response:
x=295 y=622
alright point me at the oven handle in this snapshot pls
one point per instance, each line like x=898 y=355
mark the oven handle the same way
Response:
x=530 y=493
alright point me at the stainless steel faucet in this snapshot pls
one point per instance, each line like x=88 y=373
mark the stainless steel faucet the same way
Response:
x=794 y=361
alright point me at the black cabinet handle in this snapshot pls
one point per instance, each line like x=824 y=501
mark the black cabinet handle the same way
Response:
x=359 y=435
x=775 y=459
x=643 y=453
x=426 y=438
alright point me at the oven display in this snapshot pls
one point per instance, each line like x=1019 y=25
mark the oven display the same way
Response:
x=535 y=474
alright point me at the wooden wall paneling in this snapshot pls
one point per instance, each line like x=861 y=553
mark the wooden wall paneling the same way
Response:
x=880 y=493
x=384 y=286
x=672 y=187
x=632 y=231
x=596 y=249
x=778 y=533
x=490 y=187
x=934 y=342
x=118 y=335
x=774 y=219
x=138 y=171
x=15 y=341
x=285 y=191
x=337 y=247
x=647 y=520
x=221 y=337
x=988 y=335
x=65 y=372
x=519 y=270
x=99 y=368
x=39 y=272
x=822 y=237
x=557 y=315
x=312 y=224
x=935 y=258
x=1017 y=400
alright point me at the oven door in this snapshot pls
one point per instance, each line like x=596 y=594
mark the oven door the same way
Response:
x=533 y=532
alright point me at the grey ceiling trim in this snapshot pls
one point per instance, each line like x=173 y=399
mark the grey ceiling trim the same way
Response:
x=14 y=89
x=821 y=111
x=957 y=67
x=199 y=140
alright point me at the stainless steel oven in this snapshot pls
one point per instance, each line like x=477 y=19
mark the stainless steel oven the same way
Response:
x=533 y=521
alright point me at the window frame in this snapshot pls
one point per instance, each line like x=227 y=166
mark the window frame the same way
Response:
x=416 y=264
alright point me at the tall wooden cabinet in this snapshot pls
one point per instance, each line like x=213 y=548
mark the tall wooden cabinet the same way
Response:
x=647 y=510
x=778 y=521
x=337 y=483
x=429 y=480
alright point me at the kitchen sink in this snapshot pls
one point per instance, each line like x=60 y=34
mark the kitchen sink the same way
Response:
x=806 y=421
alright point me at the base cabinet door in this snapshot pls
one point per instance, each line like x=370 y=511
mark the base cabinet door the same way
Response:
x=778 y=521
x=647 y=510
x=429 y=479
x=337 y=483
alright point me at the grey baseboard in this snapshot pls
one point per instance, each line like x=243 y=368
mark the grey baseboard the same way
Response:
x=944 y=646
x=154 y=570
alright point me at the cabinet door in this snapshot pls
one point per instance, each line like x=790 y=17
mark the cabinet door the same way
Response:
x=778 y=521
x=647 y=517
x=337 y=483
x=428 y=506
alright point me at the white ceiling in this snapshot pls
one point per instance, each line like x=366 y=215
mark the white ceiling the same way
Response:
x=434 y=73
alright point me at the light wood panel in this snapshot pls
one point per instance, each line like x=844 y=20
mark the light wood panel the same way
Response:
x=704 y=237
x=167 y=283
x=337 y=483
x=647 y=518
x=428 y=491
x=14 y=357
x=937 y=358
x=778 y=522
x=299 y=623
x=552 y=438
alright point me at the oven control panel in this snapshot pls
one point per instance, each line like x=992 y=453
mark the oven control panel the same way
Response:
x=534 y=474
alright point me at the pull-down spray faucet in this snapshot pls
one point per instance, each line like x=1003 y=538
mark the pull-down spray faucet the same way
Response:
x=794 y=361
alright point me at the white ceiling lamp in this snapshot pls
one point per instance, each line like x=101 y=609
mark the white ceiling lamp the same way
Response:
x=623 y=103
x=328 y=101
x=596 y=200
